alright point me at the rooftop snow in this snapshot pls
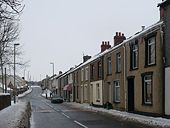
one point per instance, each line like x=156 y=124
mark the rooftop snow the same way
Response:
x=154 y=26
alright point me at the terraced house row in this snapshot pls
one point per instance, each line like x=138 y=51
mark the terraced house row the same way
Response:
x=133 y=74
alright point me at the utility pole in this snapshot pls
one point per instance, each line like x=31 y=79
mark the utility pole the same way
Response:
x=15 y=88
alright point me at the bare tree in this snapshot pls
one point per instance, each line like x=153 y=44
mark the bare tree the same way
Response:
x=8 y=34
x=9 y=29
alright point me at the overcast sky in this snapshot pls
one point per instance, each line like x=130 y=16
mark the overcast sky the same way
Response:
x=61 y=31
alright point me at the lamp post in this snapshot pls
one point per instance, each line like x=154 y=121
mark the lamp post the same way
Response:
x=53 y=67
x=14 y=74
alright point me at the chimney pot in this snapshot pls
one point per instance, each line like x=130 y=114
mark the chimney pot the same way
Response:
x=119 y=38
x=143 y=28
x=105 y=46
x=119 y=33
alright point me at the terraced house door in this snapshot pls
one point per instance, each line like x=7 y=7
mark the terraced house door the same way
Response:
x=131 y=94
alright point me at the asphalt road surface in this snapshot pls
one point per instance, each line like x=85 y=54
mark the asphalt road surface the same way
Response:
x=48 y=115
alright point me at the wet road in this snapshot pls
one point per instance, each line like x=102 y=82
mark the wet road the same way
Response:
x=47 y=115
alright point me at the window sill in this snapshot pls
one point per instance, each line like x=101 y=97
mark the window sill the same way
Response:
x=117 y=102
x=147 y=104
x=147 y=66
x=133 y=69
x=118 y=72
x=97 y=100
x=109 y=74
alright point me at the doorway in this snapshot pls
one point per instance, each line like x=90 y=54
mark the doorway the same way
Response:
x=130 y=94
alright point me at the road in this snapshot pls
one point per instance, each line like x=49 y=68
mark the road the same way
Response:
x=47 y=115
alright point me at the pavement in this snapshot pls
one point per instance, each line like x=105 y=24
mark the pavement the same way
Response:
x=17 y=115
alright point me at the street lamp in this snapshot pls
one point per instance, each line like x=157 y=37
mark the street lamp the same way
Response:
x=14 y=73
x=53 y=67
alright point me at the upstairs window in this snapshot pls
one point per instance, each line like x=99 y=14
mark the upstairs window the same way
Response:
x=150 y=51
x=118 y=62
x=99 y=69
x=134 y=55
x=82 y=74
x=92 y=72
x=77 y=77
x=86 y=73
x=109 y=66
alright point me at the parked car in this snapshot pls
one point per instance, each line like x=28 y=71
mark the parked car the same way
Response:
x=56 y=99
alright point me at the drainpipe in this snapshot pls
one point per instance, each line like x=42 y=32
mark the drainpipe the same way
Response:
x=163 y=71
x=125 y=75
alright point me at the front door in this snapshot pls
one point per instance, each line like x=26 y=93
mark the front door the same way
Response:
x=131 y=94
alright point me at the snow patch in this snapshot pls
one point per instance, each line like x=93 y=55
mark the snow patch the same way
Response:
x=25 y=93
x=146 y=120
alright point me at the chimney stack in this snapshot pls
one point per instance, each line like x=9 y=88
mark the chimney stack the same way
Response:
x=119 y=38
x=105 y=45
x=162 y=12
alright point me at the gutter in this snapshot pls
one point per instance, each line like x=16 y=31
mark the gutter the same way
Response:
x=163 y=71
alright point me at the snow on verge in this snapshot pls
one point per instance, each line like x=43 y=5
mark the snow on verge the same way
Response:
x=157 y=122
x=25 y=93
x=16 y=116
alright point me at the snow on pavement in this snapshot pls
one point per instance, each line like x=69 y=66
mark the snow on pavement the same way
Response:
x=10 y=117
x=25 y=93
x=146 y=120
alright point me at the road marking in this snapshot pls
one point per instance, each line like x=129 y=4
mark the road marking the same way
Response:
x=65 y=115
x=80 y=124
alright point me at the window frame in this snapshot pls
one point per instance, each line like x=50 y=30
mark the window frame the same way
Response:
x=82 y=74
x=151 y=45
x=134 y=55
x=92 y=71
x=109 y=66
x=85 y=92
x=98 y=97
x=116 y=90
x=145 y=83
x=86 y=73
x=148 y=48
x=118 y=62
x=99 y=65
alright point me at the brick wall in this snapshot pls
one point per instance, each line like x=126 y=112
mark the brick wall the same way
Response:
x=5 y=101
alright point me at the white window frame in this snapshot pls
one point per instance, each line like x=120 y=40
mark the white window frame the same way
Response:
x=135 y=56
x=147 y=83
x=98 y=92
x=85 y=92
x=99 y=69
x=82 y=74
x=86 y=73
x=109 y=64
x=151 y=55
x=118 y=62
x=117 y=90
